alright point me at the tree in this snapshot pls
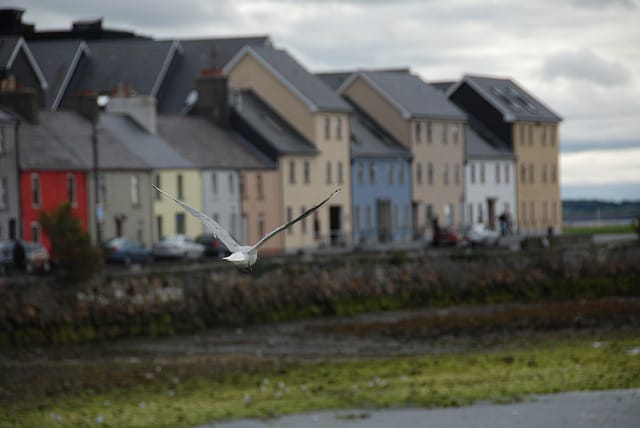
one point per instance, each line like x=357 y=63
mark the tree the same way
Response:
x=71 y=246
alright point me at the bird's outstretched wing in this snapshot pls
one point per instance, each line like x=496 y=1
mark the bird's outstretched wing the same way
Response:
x=274 y=232
x=217 y=230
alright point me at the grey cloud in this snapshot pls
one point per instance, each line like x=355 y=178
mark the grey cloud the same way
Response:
x=601 y=4
x=585 y=65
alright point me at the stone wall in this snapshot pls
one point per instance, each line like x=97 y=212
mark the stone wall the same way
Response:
x=184 y=298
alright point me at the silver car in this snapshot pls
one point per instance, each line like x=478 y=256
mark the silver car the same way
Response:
x=177 y=247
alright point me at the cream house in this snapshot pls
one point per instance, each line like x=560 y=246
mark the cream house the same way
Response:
x=320 y=118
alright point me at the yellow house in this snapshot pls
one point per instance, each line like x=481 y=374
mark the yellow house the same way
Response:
x=320 y=118
x=168 y=217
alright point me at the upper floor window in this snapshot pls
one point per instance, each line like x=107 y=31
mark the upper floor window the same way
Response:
x=543 y=134
x=360 y=173
x=554 y=173
x=523 y=173
x=3 y=193
x=180 y=186
x=482 y=173
x=292 y=172
x=214 y=183
x=472 y=173
x=372 y=173
x=544 y=172
x=445 y=133
x=241 y=186
x=418 y=131
x=340 y=173
x=445 y=173
x=522 y=134
x=135 y=191
x=327 y=127
x=430 y=174
x=303 y=223
x=230 y=177
x=498 y=173
x=530 y=128
x=552 y=136
x=507 y=171
x=71 y=189
x=531 y=173
x=456 y=174
x=401 y=173
x=259 y=187
x=157 y=182
x=329 y=179
x=35 y=191
x=391 y=172
x=455 y=131
x=261 y=224
x=419 y=173
x=338 y=128
x=307 y=172
x=289 y=218
x=429 y=132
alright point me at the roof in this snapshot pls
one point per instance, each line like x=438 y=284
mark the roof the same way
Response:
x=58 y=61
x=256 y=118
x=209 y=146
x=153 y=149
x=508 y=98
x=335 y=79
x=196 y=55
x=140 y=63
x=481 y=143
x=443 y=85
x=62 y=140
x=409 y=94
x=309 y=88
x=369 y=140
x=9 y=48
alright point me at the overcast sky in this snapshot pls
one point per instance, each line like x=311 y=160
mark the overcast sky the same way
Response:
x=580 y=57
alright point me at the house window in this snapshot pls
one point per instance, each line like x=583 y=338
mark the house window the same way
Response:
x=71 y=189
x=307 y=172
x=159 y=229
x=418 y=131
x=303 y=223
x=507 y=174
x=445 y=173
x=292 y=172
x=449 y=214
x=482 y=173
x=473 y=173
x=338 y=128
x=135 y=191
x=327 y=127
x=531 y=173
x=457 y=173
x=544 y=172
x=430 y=173
x=157 y=182
x=480 y=217
x=180 y=223
x=445 y=132
x=552 y=136
x=429 y=132
x=360 y=173
x=214 y=183
x=401 y=172
x=545 y=207
x=471 y=213
x=390 y=173
x=532 y=212
x=289 y=218
x=554 y=173
x=35 y=232
x=396 y=215
x=419 y=173
x=498 y=173
x=230 y=176
x=406 y=217
x=523 y=173
x=554 y=212
x=372 y=173
x=530 y=128
x=35 y=190
x=356 y=218
x=328 y=172
x=522 y=134
x=456 y=133
x=523 y=212
x=3 y=192
x=241 y=186
x=543 y=134
x=340 y=173
x=261 y=227
x=369 y=222
x=180 y=186
x=259 y=187
x=139 y=230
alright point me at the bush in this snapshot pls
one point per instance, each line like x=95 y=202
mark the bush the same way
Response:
x=71 y=247
x=636 y=225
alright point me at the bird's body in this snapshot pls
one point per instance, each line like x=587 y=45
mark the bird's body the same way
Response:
x=242 y=256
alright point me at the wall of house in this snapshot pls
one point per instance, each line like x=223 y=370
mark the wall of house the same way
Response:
x=53 y=190
x=478 y=191
x=540 y=196
x=9 y=188
x=221 y=196
x=167 y=209
x=376 y=106
x=119 y=205
x=367 y=190
x=262 y=208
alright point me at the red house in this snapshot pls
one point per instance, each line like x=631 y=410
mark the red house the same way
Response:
x=46 y=190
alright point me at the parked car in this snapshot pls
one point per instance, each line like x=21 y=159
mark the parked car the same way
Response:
x=177 y=247
x=213 y=247
x=479 y=235
x=445 y=236
x=37 y=257
x=126 y=250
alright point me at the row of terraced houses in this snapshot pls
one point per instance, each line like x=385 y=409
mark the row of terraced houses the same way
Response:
x=244 y=132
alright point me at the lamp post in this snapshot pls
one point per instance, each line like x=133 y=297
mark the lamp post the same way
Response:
x=96 y=179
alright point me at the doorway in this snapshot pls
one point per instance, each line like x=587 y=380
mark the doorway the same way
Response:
x=335 y=224
x=383 y=217
x=491 y=212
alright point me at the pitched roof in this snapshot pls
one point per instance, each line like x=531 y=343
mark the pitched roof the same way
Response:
x=9 y=49
x=409 y=94
x=255 y=120
x=209 y=146
x=140 y=63
x=58 y=60
x=334 y=79
x=196 y=55
x=309 y=88
x=482 y=144
x=509 y=98
x=369 y=140
x=443 y=85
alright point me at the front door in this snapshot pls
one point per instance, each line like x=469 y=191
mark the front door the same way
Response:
x=491 y=212
x=335 y=223
x=383 y=217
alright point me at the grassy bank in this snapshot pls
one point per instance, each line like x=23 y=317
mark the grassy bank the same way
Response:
x=592 y=230
x=187 y=394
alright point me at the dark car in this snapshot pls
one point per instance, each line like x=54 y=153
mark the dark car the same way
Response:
x=126 y=250
x=445 y=236
x=37 y=257
x=212 y=246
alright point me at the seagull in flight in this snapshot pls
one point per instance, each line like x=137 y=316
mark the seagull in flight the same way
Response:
x=242 y=256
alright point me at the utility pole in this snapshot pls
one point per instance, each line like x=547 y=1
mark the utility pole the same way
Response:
x=96 y=179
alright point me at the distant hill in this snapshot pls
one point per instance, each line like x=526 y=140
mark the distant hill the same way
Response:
x=584 y=209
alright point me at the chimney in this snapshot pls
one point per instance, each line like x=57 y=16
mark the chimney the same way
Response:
x=140 y=108
x=213 y=100
x=23 y=101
